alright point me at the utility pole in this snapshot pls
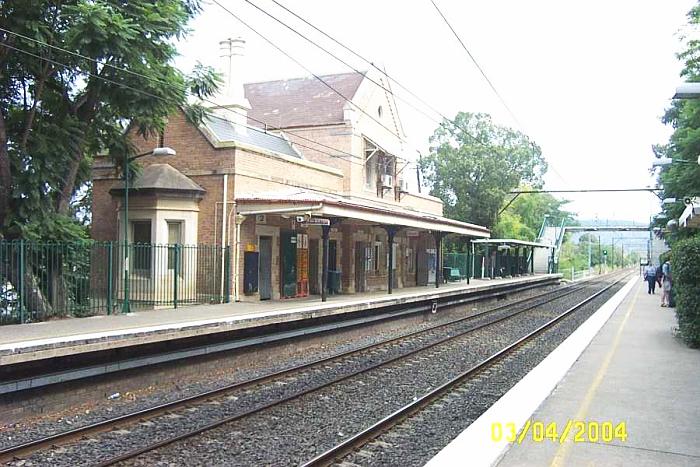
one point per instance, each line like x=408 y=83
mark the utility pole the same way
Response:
x=600 y=257
x=589 y=254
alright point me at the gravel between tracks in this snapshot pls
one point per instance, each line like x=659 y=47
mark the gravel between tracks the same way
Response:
x=419 y=438
x=47 y=424
x=312 y=423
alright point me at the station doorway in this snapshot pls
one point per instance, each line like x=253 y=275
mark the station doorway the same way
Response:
x=265 y=268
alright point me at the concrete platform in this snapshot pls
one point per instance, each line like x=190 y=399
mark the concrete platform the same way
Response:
x=634 y=371
x=23 y=343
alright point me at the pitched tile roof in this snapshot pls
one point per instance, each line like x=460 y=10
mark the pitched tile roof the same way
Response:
x=226 y=131
x=161 y=177
x=302 y=101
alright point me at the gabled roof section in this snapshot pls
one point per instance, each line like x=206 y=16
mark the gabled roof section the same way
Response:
x=161 y=177
x=226 y=131
x=301 y=102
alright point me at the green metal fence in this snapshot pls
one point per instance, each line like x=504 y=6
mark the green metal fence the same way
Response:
x=40 y=281
x=460 y=261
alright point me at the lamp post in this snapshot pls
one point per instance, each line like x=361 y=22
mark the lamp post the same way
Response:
x=160 y=151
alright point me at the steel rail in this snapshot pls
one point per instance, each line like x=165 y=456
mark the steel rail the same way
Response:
x=24 y=449
x=363 y=437
x=210 y=426
x=84 y=372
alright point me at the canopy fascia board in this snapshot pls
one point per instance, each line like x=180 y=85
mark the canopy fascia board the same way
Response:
x=367 y=215
x=393 y=219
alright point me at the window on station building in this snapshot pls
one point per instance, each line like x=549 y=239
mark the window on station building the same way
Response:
x=371 y=173
x=140 y=256
x=174 y=238
x=377 y=252
x=380 y=169
x=410 y=261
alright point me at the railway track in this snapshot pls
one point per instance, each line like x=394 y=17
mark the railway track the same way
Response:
x=362 y=438
x=530 y=303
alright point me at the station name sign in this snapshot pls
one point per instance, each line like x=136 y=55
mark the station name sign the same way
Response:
x=315 y=221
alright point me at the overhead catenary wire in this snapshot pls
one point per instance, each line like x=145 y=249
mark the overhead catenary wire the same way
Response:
x=442 y=123
x=384 y=72
x=473 y=59
x=483 y=73
x=356 y=54
x=308 y=70
x=344 y=62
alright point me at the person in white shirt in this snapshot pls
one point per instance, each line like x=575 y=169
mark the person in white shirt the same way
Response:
x=650 y=277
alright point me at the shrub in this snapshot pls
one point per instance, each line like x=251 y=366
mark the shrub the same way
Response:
x=685 y=271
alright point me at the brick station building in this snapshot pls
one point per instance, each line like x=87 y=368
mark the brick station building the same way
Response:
x=285 y=173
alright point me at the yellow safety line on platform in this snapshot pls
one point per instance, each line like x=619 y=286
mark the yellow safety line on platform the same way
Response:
x=563 y=451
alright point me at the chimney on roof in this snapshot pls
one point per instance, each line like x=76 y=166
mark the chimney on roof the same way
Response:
x=232 y=104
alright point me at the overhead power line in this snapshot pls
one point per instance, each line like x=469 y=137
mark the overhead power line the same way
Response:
x=305 y=68
x=159 y=81
x=328 y=52
x=483 y=73
x=442 y=123
x=445 y=121
x=473 y=59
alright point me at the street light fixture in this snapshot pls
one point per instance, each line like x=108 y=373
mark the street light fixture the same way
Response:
x=159 y=151
x=664 y=161
x=687 y=91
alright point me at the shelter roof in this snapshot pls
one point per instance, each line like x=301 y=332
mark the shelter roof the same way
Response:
x=511 y=242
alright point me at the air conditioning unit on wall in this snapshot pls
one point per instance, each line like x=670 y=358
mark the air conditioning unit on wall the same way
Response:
x=387 y=181
x=403 y=185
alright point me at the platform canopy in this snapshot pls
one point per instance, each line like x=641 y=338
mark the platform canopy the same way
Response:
x=316 y=204
x=511 y=242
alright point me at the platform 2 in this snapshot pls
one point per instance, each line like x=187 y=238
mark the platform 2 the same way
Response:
x=23 y=343
x=634 y=371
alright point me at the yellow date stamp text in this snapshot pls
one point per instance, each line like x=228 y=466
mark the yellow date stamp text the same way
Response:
x=577 y=431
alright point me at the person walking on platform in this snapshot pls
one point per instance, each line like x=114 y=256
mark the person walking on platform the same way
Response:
x=666 y=284
x=650 y=277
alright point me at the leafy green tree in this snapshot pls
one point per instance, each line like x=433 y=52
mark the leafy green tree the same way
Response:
x=474 y=163
x=523 y=218
x=511 y=225
x=75 y=75
x=682 y=179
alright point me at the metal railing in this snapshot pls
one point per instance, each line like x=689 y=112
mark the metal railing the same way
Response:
x=582 y=274
x=45 y=280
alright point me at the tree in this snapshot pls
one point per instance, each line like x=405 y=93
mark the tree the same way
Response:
x=76 y=75
x=682 y=179
x=474 y=163
x=523 y=218
x=679 y=180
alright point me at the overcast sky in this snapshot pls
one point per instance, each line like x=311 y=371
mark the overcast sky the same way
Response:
x=586 y=80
